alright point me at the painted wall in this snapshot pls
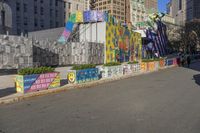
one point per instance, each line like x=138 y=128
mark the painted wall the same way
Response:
x=36 y=82
x=122 y=45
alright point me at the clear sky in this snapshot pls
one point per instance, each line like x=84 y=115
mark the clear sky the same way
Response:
x=162 y=5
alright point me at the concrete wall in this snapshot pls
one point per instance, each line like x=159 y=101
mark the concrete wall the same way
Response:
x=15 y=52
x=19 y=52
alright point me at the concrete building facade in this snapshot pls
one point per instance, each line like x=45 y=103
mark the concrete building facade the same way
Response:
x=75 y=5
x=114 y=7
x=193 y=10
x=87 y=4
x=151 y=6
x=168 y=19
x=177 y=9
x=137 y=11
x=23 y=16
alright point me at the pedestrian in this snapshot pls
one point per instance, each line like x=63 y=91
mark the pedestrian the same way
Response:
x=188 y=60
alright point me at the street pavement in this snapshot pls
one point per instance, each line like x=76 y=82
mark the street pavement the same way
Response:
x=167 y=101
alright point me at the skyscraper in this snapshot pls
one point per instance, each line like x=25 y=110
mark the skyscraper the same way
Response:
x=114 y=7
x=177 y=9
x=23 y=16
x=137 y=11
x=193 y=10
x=151 y=6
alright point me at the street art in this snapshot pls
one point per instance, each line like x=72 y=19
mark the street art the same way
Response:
x=170 y=62
x=122 y=44
x=131 y=68
x=112 y=71
x=81 y=76
x=37 y=82
x=71 y=76
x=155 y=31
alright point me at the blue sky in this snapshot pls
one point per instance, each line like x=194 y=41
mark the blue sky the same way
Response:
x=162 y=5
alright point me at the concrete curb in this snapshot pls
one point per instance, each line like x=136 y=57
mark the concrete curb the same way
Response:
x=73 y=86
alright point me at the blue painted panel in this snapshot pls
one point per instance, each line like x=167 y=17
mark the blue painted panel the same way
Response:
x=86 y=16
x=169 y=62
x=69 y=26
x=87 y=75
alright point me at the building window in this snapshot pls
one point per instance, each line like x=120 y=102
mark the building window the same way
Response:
x=56 y=13
x=180 y=4
x=25 y=32
x=41 y=11
x=42 y=23
x=51 y=2
x=57 y=24
x=51 y=23
x=77 y=7
x=56 y=3
x=51 y=12
x=18 y=6
x=35 y=22
x=25 y=21
x=35 y=9
x=25 y=7
x=18 y=31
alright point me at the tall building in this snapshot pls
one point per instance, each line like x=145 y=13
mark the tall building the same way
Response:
x=23 y=16
x=114 y=7
x=137 y=11
x=74 y=5
x=87 y=4
x=151 y=6
x=168 y=19
x=193 y=10
x=177 y=9
x=169 y=8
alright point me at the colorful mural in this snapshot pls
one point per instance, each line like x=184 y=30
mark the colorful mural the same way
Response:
x=122 y=44
x=81 y=76
x=155 y=29
x=112 y=71
x=131 y=68
x=37 y=82
x=81 y=17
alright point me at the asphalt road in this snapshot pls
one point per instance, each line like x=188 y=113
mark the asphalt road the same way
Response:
x=163 y=102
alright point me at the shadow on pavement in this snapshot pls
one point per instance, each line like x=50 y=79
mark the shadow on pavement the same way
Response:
x=7 y=91
x=195 y=66
x=197 y=79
